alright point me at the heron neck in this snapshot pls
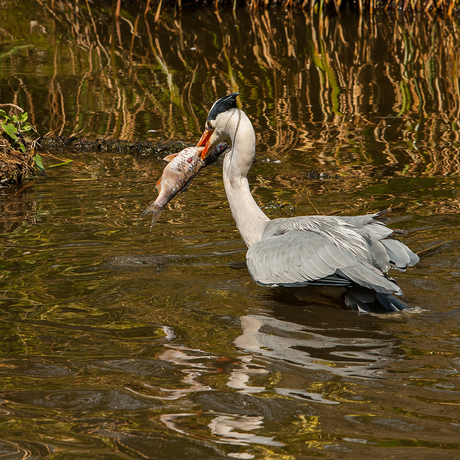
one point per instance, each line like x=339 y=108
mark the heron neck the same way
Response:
x=249 y=218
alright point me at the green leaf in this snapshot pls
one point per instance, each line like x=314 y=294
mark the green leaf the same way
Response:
x=26 y=127
x=10 y=130
x=39 y=162
x=24 y=116
x=3 y=113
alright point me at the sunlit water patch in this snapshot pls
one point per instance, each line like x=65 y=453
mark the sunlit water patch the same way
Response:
x=124 y=341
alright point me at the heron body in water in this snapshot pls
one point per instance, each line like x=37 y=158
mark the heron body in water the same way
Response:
x=334 y=255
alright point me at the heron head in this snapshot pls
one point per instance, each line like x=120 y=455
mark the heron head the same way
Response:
x=212 y=134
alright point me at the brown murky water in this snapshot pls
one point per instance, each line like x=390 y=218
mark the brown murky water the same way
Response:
x=120 y=342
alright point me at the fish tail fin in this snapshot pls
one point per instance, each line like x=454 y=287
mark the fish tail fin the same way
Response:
x=154 y=210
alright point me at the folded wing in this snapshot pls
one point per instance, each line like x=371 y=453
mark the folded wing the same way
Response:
x=328 y=250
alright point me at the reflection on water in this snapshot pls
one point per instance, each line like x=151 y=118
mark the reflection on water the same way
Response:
x=225 y=427
x=121 y=342
x=299 y=346
x=16 y=208
x=377 y=96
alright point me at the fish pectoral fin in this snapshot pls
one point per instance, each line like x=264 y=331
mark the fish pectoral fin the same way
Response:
x=158 y=184
x=170 y=157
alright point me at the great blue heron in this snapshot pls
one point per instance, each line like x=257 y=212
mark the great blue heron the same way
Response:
x=349 y=255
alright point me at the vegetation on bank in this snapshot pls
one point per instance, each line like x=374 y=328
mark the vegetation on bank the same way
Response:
x=18 y=159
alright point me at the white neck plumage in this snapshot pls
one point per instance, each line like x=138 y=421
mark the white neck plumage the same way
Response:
x=249 y=218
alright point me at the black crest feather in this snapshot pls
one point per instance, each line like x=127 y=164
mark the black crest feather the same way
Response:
x=222 y=105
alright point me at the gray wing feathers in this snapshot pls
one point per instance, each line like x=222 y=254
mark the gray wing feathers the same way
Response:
x=399 y=254
x=296 y=251
x=295 y=257
x=368 y=276
x=385 y=250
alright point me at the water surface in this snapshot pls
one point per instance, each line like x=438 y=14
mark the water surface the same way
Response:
x=121 y=342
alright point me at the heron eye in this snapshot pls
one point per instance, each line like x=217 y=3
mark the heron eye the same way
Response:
x=208 y=125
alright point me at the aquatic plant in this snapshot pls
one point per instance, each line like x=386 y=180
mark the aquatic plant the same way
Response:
x=18 y=158
x=17 y=129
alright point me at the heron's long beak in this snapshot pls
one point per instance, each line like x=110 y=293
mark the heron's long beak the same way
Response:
x=204 y=142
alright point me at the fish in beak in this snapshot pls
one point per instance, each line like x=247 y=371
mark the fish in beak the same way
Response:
x=181 y=169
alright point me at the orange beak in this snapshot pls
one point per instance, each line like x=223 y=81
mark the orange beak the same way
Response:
x=204 y=142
